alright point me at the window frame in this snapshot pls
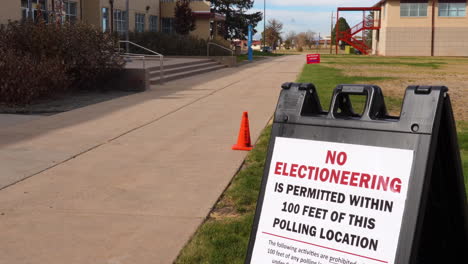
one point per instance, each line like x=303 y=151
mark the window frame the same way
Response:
x=413 y=9
x=449 y=9
x=30 y=12
x=153 y=23
x=120 y=21
x=140 y=22
x=105 y=19
x=167 y=25
x=70 y=17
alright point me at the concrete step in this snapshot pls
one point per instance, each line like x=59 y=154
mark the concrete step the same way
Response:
x=168 y=65
x=184 y=68
x=180 y=75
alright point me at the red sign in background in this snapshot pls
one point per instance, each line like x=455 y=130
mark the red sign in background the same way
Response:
x=313 y=58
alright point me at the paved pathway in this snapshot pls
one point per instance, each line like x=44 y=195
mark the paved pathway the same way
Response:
x=129 y=180
x=13 y=119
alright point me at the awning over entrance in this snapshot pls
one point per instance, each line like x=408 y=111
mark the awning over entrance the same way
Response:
x=208 y=14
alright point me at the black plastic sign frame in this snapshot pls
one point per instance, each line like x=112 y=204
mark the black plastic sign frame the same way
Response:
x=430 y=205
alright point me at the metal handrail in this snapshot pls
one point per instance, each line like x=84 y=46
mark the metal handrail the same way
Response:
x=140 y=55
x=155 y=54
x=143 y=60
x=217 y=45
x=139 y=46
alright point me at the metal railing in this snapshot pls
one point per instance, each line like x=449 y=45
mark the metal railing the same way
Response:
x=145 y=56
x=129 y=55
x=217 y=45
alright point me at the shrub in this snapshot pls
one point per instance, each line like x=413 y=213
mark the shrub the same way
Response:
x=91 y=56
x=53 y=58
x=174 y=44
x=24 y=79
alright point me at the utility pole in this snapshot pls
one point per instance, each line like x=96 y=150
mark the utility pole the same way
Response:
x=331 y=34
x=127 y=6
x=337 y=27
x=81 y=10
x=433 y=27
x=249 y=44
x=111 y=15
x=318 y=44
x=264 y=23
x=52 y=17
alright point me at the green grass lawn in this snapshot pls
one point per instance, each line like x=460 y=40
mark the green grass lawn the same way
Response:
x=257 y=54
x=431 y=64
x=224 y=236
x=327 y=78
x=462 y=128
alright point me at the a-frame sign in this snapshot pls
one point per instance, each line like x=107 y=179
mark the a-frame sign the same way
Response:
x=344 y=188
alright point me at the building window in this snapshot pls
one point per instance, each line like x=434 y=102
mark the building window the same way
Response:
x=153 y=23
x=452 y=9
x=139 y=22
x=105 y=19
x=33 y=8
x=25 y=14
x=120 y=21
x=71 y=11
x=413 y=8
x=167 y=25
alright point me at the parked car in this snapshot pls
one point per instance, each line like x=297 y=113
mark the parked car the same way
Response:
x=267 y=49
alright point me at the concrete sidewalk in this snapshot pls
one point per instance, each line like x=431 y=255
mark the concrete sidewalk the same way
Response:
x=129 y=180
x=15 y=119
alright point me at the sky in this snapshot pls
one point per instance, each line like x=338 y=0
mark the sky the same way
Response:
x=303 y=15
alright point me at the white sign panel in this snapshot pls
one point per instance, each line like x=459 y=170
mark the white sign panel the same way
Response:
x=330 y=202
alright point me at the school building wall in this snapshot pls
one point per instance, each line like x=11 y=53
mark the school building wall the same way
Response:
x=412 y=36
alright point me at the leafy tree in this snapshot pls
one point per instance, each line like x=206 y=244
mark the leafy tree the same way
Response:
x=184 y=21
x=272 y=33
x=368 y=34
x=342 y=25
x=237 y=21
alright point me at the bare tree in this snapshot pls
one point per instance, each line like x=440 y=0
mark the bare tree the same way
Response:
x=273 y=32
x=290 y=39
x=304 y=39
x=301 y=41
x=310 y=38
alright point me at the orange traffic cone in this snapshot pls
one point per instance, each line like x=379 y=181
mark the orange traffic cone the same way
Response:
x=243 y=140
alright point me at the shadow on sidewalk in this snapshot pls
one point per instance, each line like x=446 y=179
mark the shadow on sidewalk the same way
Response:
x=29 y=130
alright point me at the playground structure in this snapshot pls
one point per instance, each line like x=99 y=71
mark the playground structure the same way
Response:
x=349 y=36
